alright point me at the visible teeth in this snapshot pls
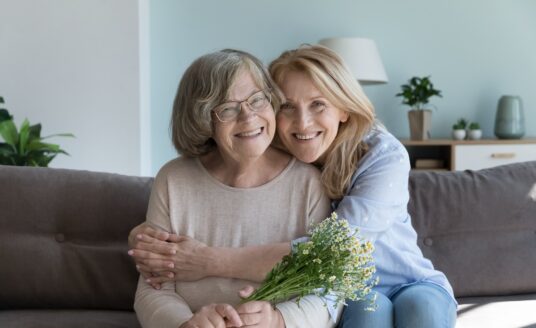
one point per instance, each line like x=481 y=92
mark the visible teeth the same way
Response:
x=305 y=136
x=250 y=133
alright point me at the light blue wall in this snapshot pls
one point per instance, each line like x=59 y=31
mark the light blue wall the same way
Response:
x=474 y=50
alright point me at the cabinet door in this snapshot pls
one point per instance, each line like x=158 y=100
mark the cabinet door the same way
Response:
x=476 y=157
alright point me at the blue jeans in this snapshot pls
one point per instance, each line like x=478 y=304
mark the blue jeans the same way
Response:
x=420 y=305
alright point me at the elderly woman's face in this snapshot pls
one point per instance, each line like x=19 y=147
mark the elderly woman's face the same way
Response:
x=249 y=134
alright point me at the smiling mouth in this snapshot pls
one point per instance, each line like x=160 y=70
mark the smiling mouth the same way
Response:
x=252 y=133
x=307 y=136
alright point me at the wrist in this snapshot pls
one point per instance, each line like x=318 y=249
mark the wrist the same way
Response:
x=215 y=261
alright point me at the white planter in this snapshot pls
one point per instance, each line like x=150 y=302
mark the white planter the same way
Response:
x=458 y=134
x=475 y=134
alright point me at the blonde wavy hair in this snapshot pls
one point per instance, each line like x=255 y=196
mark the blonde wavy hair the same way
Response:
x=330 y=75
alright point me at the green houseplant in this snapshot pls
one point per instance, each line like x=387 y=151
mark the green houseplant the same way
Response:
x=416 y=94
x=474 y=133
x=25 y=146
x=458 y=129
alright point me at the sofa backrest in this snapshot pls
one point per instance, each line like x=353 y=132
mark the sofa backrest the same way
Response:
x=479 y=227
x=63 y=238
x=63 y=233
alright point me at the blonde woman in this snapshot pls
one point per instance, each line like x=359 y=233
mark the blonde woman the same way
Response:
x=327 y=120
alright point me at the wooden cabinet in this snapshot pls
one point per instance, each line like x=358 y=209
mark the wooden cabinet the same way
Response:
x=459 y=155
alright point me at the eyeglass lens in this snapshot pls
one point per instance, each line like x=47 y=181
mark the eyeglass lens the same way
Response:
x=230 y=111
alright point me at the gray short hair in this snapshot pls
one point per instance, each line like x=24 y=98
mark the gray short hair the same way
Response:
x=206 y=84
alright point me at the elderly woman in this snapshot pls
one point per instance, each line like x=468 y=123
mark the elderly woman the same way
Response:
x=229 y=189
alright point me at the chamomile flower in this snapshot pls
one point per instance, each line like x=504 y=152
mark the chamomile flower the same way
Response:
x=335 y=251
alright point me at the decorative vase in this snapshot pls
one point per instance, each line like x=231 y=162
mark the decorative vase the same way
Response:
x=475 y=134
x=458 y=134
x=420 y=122
x=510 y=119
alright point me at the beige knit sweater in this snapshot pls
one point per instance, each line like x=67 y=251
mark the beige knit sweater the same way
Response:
x=187 y=200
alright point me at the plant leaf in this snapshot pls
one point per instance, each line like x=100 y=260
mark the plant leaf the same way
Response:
x=37 y=145
x=8 y=131
x=59 y=135
x=48 y=160
x=52 y=147
x=5 y=149
x=24 y=135
x=4 y=115
x=35 y=131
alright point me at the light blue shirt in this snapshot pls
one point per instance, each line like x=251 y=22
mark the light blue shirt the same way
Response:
x=376 y=203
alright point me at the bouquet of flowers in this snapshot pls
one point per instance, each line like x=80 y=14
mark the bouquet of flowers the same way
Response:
x=335 y=262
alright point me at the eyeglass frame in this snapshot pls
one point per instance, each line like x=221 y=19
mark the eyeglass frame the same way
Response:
x=266 y=93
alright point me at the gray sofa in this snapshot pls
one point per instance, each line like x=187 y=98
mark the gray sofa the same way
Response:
x=63 y=260
x=479 y=228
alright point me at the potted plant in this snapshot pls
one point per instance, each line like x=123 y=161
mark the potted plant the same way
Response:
x=475 y=133
x=416 y=94
x=458 y=129
x=25 y=146
x=4 y=114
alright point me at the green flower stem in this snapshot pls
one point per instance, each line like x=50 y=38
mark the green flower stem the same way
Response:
x=274 y=291
x=335 y=261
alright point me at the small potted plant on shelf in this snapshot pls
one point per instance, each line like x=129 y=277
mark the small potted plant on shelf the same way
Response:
x=458 y=129
x=416 y=94
x=474 y=133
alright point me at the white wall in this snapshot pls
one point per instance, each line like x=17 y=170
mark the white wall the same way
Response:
x=73 y=66
x=474 y=50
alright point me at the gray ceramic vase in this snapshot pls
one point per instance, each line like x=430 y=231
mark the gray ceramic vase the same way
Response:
x=510 y=120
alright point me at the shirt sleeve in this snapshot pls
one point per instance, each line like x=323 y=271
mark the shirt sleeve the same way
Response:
x=310 y=312
x=379 y=193
x=163 y=308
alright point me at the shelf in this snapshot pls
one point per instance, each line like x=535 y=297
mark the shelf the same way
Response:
x=452 y=155
x=450 y=142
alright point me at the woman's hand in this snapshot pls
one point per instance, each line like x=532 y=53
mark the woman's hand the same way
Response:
x=258 y=314
x=134 y=240
x=162 y=257
x=214 y=316
x=143 y=240
x=191 y=260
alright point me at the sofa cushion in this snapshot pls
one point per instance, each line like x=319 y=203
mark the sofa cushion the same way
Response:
x=68 y=318
x=63 y=238
x=479 y=227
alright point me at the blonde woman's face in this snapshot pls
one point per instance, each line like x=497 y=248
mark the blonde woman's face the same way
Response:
x=307 y=123
x=250 y=134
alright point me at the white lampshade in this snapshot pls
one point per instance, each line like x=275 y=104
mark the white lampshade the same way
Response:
x=361 y=56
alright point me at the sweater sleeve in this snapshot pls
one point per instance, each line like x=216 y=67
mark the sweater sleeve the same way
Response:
x=312 y=308
x=163 y=308
x=319 y=206
x=311 y=312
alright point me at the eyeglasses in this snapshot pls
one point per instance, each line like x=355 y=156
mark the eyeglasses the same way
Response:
x=229 y=111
